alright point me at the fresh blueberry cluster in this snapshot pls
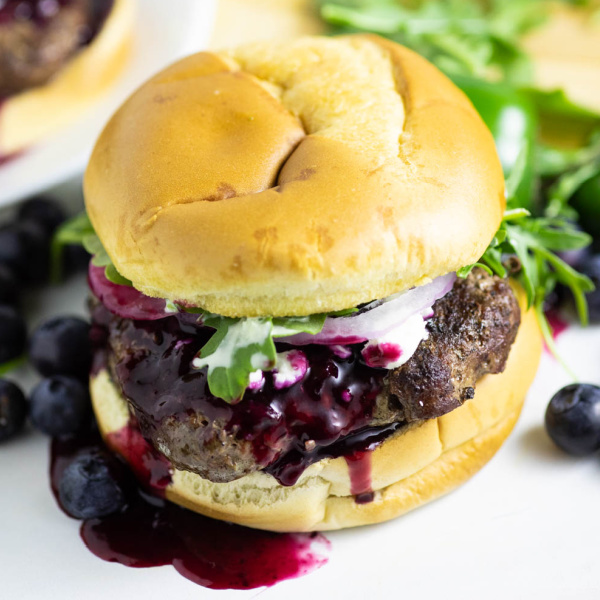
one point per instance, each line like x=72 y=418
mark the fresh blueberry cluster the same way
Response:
x=25 y=263
x=59 y=347
x=59 y=406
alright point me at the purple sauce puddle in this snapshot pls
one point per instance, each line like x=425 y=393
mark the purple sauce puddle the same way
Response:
x=153 y=532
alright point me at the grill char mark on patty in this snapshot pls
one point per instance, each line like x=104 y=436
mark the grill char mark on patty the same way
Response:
x=470 y=334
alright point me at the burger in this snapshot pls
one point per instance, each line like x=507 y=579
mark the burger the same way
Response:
x=56 y=58
x=281 y=336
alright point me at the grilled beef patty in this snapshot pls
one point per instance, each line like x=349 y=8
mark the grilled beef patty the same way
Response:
x=338 y=400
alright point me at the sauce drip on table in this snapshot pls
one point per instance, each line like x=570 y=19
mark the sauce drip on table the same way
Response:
x=557 y=323
x=154 y=532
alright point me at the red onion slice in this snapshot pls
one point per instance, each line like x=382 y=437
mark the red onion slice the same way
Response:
x=125 y=301
x=377 y=321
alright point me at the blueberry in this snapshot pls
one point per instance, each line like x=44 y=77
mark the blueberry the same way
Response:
x=13 y=409
x=61 y=346
x=60 y=406
x=591 y=267
x=13 y=334
x=9 y=290
x=75 y=259
x=43 y=211
x=24 y=248
x=573 y=419
x=89 y=489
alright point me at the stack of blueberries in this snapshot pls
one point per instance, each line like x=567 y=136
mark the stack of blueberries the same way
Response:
x=59 y=349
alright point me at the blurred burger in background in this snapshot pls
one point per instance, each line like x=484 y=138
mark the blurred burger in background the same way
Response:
x=56 y=58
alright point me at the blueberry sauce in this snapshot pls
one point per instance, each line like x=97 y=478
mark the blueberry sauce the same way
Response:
x=381 y=355
x=154 y=532
x=359 y=467
x=557 y=323
x=151 y=469
x=291 y=465
x=321 y=416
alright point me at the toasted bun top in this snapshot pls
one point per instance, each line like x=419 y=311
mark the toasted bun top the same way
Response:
x=294 y=178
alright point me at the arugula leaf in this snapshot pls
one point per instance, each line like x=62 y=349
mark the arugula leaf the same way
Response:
x=284 y=326
x=472 y=38
x=546 y=330
x=533 y=241
x=241 y=346
x=237 y=348
x=552 y=162
x=79 y=230
x=94 y=246
x=113 y=275
x=72 y=231
x=565 y=187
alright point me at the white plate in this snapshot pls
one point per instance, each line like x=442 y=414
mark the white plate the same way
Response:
x=525 y=527
x=166 y=30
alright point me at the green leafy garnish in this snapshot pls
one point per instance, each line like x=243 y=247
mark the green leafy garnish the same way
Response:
x=481 y=39
x=534 y=242
x=554 y=162
x=237 y=348
x=241 y=346
x=71 y=232
x=11 y=365
x=556 y=105
x=79 y=230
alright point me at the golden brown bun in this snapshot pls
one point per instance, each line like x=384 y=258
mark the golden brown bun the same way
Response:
x=27 y=118
x=294 y=178
x=408 y=470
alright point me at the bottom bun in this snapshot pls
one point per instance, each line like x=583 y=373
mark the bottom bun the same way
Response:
x=410 y=468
